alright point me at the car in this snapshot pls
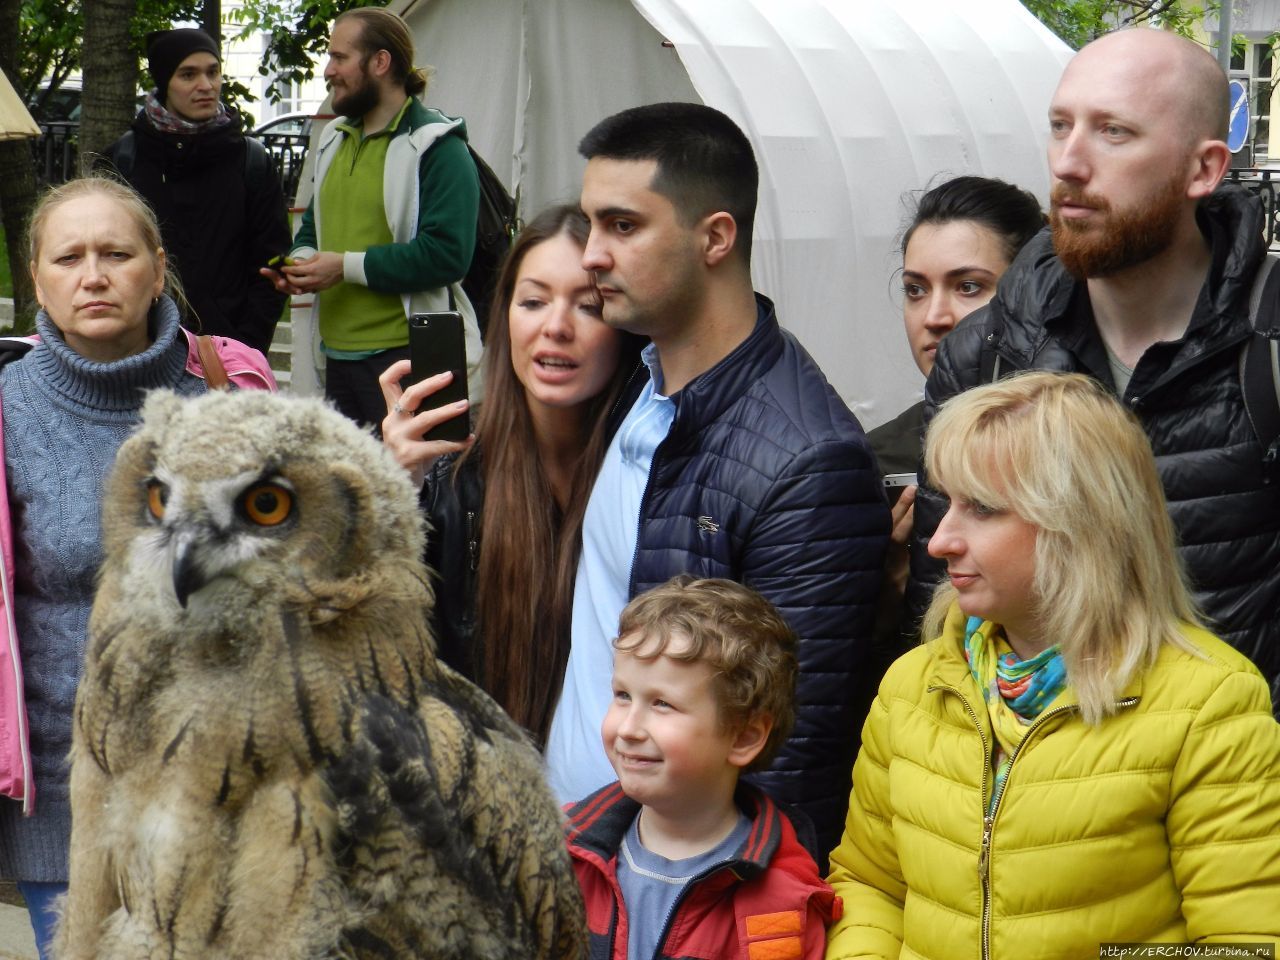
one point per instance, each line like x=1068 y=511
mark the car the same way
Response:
x=60 y=105
x=287 y=124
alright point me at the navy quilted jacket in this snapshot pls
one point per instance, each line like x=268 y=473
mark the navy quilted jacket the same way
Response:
x=766 y=478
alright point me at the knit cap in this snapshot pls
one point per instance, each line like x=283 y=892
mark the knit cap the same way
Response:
x=166 y=49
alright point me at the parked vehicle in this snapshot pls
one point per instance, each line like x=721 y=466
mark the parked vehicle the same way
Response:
x=286 y=138
x=292 y=124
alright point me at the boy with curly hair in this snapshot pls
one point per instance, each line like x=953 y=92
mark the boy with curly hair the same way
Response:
x=679 y=858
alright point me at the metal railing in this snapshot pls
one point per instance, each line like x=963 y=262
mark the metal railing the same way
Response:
x=289 y=151
x=57 y=161
x=56 y=151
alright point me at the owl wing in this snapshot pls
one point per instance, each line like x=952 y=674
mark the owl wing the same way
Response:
x=449 y=832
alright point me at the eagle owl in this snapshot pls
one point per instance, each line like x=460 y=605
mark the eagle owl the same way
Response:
x=268 y=761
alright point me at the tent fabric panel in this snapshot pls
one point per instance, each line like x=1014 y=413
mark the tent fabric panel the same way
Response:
x=851 y=106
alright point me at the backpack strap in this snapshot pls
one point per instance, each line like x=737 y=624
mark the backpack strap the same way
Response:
x=1260 y=365
x=258 y=164
x=215 y=374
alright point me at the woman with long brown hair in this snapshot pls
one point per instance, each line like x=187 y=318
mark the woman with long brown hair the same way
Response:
x=506 y=507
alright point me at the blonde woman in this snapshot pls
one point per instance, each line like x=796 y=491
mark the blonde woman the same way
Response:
x=108 y=333
x=1072 y=759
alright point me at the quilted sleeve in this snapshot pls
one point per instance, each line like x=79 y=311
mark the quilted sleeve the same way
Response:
x=816 y=550
x=864 y=867
x=1224 y=816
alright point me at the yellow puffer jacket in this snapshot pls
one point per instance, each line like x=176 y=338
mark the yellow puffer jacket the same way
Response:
x=1161 y=824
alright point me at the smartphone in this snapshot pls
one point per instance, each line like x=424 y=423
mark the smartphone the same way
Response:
x=437 y=343
x=899 y=479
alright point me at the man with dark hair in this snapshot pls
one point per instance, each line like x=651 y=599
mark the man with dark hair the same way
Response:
x=1143 y=281
x=734 y=457
x=215 y=191
x=391 y=227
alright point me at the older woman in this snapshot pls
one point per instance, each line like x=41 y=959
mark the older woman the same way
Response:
x=506 y=516
x=1073 y=759
x=107 y=333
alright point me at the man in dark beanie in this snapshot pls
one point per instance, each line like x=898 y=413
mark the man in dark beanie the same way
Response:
x=216 y=192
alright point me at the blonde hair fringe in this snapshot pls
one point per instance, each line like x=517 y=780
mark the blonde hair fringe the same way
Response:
x=1064 y=455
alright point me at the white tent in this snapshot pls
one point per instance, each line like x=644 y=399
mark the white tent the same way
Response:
x=15 y=120
x=849 y=103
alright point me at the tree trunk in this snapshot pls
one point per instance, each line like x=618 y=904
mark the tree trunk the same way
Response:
x=211 y=20
x=17 y=180
x=110 y=76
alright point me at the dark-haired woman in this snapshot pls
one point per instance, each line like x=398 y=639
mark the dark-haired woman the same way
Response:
x=506 y=510
x=962 y=237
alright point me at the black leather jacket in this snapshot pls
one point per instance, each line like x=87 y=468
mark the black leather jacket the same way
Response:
x=451 y=500
x=1187 y=395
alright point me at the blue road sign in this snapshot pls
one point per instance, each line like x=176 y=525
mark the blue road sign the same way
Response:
x=1238 y=132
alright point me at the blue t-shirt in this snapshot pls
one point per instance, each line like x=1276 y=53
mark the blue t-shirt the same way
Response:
x=575 y=758
x=651 y=884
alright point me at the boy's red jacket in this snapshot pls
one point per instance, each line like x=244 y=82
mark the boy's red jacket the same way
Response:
x=765 y=903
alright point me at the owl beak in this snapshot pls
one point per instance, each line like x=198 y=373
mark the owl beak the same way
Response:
x=188 y=576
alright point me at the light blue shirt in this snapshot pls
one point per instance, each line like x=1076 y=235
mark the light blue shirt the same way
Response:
x=575 y=758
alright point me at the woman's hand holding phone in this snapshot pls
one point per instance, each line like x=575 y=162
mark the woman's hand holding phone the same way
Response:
x=404 y=427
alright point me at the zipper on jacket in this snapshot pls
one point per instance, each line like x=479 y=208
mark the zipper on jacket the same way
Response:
x=473 y=549
x=665 y=930
x=989 y=821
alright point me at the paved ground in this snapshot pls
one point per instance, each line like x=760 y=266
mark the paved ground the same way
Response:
x=16 y=941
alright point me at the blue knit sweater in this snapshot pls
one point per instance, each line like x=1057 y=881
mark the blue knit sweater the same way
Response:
x=64 y=419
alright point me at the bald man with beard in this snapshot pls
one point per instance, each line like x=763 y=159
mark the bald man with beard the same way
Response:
x=1142 y=281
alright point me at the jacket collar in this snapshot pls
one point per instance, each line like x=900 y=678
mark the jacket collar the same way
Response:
x=412 y=118
x=1037 y=292
x=598 y=824
x=15 y=348
x=949 y=668
x=704 y=398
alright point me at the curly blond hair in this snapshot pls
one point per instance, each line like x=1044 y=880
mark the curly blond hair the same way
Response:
x=734 y=630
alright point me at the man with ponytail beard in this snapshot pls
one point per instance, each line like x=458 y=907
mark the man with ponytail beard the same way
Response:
x=391 y=227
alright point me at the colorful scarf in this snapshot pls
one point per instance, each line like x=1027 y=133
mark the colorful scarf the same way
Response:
x=1016 y=691
x=166 y=122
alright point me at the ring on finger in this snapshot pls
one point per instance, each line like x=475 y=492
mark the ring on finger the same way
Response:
x=396 y=408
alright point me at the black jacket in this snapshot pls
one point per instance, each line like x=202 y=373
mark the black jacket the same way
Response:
x=219 y=222
x=451 y=500
x=1187 y=395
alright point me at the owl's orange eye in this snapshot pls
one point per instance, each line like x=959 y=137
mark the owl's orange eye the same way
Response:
x=267 y=504
x=157 y=498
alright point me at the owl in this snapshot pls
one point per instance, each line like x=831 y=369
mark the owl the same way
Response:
x=268 y=761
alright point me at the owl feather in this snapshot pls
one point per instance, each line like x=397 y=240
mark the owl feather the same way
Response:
x=268 y=761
